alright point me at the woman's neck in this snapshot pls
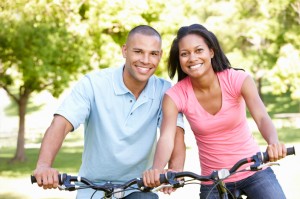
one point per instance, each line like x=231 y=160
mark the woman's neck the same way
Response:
x=206 y=83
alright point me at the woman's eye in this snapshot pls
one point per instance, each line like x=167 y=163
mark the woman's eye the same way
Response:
x=199 y=50
x=183 y=54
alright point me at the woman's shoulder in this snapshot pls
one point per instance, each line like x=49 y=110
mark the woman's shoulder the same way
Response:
x=184 y=83
x=180 y=88
x=232 y=79
x=233 y=73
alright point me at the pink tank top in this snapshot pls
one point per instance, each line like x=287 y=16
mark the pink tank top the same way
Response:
x=223 y=138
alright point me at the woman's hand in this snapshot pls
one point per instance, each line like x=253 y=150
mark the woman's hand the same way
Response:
x=276 y=151
x=151 y=177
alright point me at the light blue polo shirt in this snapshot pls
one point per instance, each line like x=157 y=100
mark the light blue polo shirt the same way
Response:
x=119 y=131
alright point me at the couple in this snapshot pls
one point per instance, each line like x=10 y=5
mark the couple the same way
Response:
x=121 y=109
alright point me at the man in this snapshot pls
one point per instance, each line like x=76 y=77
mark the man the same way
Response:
x=121 y=110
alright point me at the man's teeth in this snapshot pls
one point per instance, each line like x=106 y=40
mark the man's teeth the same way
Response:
x=196 y=66
x=143 y=69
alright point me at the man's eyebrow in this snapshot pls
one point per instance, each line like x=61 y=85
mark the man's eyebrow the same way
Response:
x=136 y=49
x=155 y=51
x=152 y=51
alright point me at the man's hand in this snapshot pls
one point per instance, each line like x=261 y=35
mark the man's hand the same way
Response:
x=46 y=177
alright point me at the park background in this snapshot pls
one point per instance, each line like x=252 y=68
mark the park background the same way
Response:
x=45 y=46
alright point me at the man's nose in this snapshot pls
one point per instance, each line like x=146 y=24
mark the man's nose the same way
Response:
x=145 y=59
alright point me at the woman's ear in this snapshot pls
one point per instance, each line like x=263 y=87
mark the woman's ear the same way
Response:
x=212 y=53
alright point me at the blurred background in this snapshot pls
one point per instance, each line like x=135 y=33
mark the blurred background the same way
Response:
x=46 y=46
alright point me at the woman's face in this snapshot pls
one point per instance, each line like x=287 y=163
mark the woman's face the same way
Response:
x=194 y=55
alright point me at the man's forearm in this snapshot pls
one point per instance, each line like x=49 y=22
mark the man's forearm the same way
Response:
x=52 y=141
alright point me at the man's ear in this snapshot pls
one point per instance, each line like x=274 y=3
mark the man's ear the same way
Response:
x=161 y=53
x=124 y=51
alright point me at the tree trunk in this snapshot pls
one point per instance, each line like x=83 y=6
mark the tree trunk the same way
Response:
x=259 y=87
x=20 y=151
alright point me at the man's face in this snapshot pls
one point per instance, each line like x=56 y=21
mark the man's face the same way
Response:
x=142 y=54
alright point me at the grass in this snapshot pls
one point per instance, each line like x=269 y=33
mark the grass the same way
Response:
x=286 y=135
x=280 y=104
x=68 y=159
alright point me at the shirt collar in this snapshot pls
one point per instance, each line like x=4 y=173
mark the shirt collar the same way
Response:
x=121 y=89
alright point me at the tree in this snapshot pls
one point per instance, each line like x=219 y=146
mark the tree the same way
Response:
x=38 y=51
x=266 y=31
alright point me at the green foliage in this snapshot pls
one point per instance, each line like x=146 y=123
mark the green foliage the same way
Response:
x=280 y=103
x=252 y=33
x=38 y=52
x=12 y=108
x=44 y=45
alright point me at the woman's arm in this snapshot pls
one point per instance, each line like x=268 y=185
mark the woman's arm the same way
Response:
x=166 y=140
x=165 y=144
x=178 y=155
x=275 y=149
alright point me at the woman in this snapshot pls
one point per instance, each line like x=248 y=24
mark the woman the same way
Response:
x=213 y=96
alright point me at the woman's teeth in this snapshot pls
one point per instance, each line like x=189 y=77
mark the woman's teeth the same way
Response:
x=196 y=66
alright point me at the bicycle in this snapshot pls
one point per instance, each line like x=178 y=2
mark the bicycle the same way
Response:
x=260 y=161
x=170 y=179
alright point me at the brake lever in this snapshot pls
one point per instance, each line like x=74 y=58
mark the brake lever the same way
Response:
x=268 y=165
x=61 y=187
x=178 y=184
x=259 y=167
x=156 y=189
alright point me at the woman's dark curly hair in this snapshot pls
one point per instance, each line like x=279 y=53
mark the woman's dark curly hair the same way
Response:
x=219 y=61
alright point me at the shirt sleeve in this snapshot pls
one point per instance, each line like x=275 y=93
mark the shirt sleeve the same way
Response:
x=180 y=122
x=76 y=106
x=237 y=78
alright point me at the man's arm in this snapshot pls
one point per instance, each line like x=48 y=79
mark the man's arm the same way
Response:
x=45 y=175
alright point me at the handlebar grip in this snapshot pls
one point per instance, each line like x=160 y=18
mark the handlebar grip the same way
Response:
x=289 y=151
x=163 y=178
x=33 y=179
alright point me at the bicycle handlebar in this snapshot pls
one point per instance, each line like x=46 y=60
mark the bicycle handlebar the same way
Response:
x=170 y=177
x=258 y=159
x=65 y=179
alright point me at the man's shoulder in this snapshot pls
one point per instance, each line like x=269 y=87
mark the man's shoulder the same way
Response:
x=160 y=80
x=101 y=72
